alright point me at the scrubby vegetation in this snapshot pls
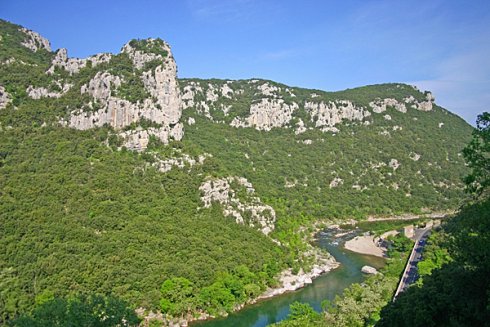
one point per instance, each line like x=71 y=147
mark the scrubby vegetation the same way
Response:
x=81 y=219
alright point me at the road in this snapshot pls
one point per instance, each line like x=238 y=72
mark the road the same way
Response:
x=410 y=274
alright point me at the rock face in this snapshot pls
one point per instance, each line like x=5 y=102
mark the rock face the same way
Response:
x=245 y=209
x=332 y=113
x=73 y=65
x=35 y=41
x=264 y=105
x=267 y=114
x=4 y=98
x=162 y=107
x=42 y=92
x=381 y=105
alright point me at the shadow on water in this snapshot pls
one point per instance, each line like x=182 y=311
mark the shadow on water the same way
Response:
x=324 y=287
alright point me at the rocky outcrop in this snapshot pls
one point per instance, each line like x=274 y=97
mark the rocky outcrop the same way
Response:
x=138 y=139
x=73 y=65
x=163 y=107
x=333 y=112
x=300 y=127
x=394 y=164
x=336 y=182
x=34 y=41
x=267 y=114
x=414 y=156
x=380 y=105
x=4 y=98
x=42 y=92
x=247 y=209
x=288 y=281
x=100 y=87
x=141 y=57
x=181 y=161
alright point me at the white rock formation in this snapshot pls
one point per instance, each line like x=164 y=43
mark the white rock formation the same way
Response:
x=369 y=270
x=262 y=216
x=394 y=164
x=191 y=121
x=387 y=117
x=268 y=90
x=267 y=114
x=336 y=182
x=163 y=107
x=101 y=85
x=323 y=262
x=188 y=94
x=139 y=138
x=226 y=91
x=165 y=165
x=140 y=58
x=42 y=92
x=332 y=113
x=34 y=41
x=73 y=65
x=300 y=129
x=426 y=105
x=380 y=105
x=414 y=156
x=4 y=98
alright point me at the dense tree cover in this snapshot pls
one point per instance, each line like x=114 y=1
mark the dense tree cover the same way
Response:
x=456 y=292
x=271 y=160
x=360 y=304
x=79 y=217
x=477 y=155
x=179 y=296
x=455 y=285
x=80 y=311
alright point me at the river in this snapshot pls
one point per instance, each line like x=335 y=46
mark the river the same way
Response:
x=324 y=287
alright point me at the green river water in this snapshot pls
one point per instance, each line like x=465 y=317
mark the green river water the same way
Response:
x=324 y=287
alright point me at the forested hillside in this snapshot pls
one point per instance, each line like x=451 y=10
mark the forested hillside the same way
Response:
x=117 y=178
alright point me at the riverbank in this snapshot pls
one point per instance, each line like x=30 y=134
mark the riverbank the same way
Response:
x=291 y=282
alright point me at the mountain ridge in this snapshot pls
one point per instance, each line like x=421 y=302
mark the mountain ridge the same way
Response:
x=114 y=163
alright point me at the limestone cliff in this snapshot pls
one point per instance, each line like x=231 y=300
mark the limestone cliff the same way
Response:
x=34 y=41
x=162 y=106
x=264 y=105
x=73 y=65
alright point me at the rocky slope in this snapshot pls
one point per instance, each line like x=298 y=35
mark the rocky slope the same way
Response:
x=106 y=83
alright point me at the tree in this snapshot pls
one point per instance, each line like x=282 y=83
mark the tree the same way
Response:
x=177 y=296
x=477 y=155
x=80 y=311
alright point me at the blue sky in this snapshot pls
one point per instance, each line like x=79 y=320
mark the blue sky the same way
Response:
x=441 y=46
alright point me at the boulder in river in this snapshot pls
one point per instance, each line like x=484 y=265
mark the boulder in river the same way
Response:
x=369 y=270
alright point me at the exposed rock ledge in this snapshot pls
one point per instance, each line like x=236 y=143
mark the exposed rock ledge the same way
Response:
x=4 y=98
x=290 y=282
x=224 y=191
x=34 y=41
